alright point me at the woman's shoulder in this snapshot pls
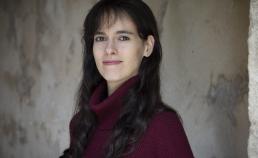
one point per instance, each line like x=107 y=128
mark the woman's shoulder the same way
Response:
x=165 y=119
x=165 y=114
x=168 y=135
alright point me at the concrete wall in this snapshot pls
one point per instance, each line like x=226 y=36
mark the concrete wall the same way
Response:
x=40 y=68
x=253 y=79
x=204 y=73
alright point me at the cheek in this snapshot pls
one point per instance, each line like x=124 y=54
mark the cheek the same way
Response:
x=138 y=60
x=138 y=55
x=135 y=59
x=97 y=53
x=98 y=61
x=98 y=47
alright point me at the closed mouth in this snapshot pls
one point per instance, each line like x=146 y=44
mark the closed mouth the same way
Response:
x=111 y=62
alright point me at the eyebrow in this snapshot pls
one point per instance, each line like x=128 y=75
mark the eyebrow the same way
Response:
x=117 y=32
x=124 y=32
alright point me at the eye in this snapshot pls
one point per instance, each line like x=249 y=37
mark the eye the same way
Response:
x=99 y=38
x=124 y=38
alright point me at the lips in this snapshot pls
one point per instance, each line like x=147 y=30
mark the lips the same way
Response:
x=111 y=62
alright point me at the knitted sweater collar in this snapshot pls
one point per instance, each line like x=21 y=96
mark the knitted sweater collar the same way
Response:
x=108 y=108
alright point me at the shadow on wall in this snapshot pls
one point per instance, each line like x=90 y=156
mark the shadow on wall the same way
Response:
x=227 y=93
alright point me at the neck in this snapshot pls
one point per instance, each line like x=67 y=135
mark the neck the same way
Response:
x=112 y=86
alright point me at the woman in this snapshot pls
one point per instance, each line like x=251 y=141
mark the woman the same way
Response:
x=119 y=111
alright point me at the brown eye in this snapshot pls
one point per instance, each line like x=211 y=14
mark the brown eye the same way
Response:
x=99 y=38
x=124 y=38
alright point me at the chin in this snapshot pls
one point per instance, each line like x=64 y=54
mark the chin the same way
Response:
x=113 y=78
x=117 y=76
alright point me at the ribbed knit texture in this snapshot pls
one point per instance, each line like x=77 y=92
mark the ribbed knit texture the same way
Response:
x=164 y=138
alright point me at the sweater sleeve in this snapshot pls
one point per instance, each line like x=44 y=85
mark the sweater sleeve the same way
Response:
x=67 y=152
x=170 y=140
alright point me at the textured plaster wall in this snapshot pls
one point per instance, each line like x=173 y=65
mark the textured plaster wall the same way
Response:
x=40 y=67
x=204 y=73
x=253 y=80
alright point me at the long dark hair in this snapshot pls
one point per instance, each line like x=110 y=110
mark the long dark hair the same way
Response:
x=142 y=101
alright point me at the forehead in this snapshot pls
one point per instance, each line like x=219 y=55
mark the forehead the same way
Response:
x=116 y=21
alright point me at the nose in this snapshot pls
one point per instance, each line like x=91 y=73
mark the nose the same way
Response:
x=110 y=47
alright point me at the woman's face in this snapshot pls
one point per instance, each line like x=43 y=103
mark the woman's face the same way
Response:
x=118 y=50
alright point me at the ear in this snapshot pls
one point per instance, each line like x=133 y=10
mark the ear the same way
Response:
x=149 y=44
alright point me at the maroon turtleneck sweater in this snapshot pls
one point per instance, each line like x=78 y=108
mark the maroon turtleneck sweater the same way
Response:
x=164 y=137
